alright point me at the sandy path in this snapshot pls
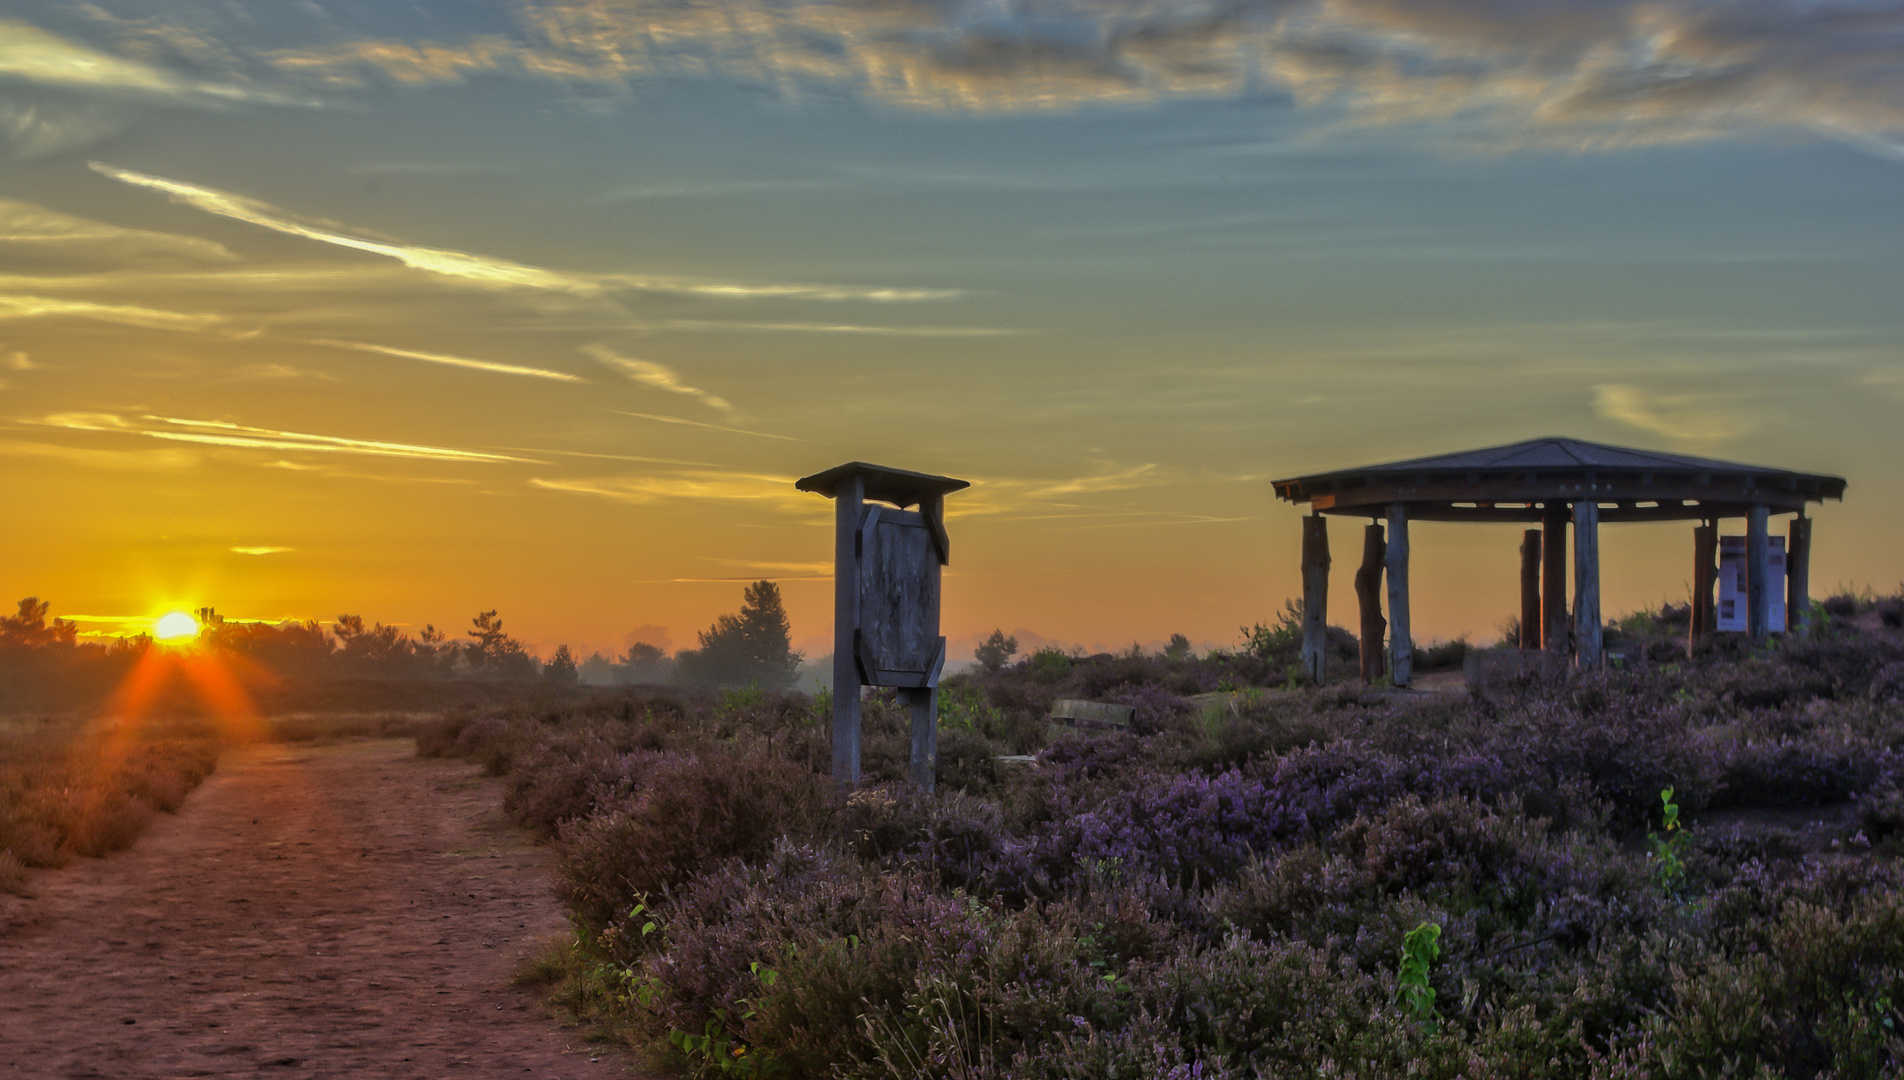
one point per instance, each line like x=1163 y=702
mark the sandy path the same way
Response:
x=314 y=911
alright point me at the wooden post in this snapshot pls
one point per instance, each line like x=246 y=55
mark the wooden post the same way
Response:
x=1554 y=633
x=1315 y=598
x=1798 y=575
x=1705 y=575
x=1758 y=573
x=925 y=734
x=848 y=503
x=1401 y=647
x=1530 y=589
x=1586 y=584
x=1368 y=591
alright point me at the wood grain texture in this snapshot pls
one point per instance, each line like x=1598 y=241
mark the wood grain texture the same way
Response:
x=898 y=600
x=1530 y=589
x=1586 y=584
x=1401 y=646
x=1315 y=599
x=1368 y=594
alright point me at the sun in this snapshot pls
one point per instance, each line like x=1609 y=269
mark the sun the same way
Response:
x=175 y=626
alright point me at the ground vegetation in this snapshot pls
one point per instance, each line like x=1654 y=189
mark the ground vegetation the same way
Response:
x=1672 y=868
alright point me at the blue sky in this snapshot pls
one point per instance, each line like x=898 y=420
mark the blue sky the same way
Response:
x=416 y=310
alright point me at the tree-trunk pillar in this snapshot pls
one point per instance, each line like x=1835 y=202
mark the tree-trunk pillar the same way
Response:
x=1315 y=598
x=1705 y=575
x=925 y=734
x=1368 y=593
x=1586 y=584
x=1798 y=575
x=1758 y=573
x=1554 y=634
x=848 y=502
x=1401 y=647
x=1530 y=589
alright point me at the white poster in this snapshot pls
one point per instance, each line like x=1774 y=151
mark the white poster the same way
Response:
x=1732 y=586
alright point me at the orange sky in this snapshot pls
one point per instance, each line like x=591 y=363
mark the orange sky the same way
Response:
x=414 y=311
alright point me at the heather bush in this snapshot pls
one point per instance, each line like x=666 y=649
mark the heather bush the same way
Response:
x=71 y=789
x=1224 y=890
x=689 y=814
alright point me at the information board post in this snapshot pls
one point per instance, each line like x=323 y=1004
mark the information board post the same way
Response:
x=886 y=566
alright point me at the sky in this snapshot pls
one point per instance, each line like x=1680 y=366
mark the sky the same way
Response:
x=414 y=310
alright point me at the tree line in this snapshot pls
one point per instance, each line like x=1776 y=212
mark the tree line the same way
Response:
x=750 y=647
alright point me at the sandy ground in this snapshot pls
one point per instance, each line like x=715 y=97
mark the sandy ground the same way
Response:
x=314 y=911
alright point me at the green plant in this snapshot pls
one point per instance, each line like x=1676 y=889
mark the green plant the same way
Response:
x=1669 y=866
x=1265 y=641
x=1420 y=948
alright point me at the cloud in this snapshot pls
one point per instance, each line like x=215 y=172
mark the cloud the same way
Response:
x=109 y=460
x=836 y=328
x=489 y=271
x=78 y=88
x=37 y=227
x=711 y=427
x=33 y=55
x=41 y=307
x=453 y=361
x=1579 y=73
x=225 y=433
x=19 y=361
x=705 y=486
x=260 y=550
x=1683 y=418
x=649 y=373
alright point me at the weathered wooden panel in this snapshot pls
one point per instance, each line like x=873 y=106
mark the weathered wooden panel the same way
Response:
x=899 y=642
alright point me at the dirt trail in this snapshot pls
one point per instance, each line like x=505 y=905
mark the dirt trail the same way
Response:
x=314 y=911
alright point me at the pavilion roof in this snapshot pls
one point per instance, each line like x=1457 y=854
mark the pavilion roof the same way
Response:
x=1516 y=482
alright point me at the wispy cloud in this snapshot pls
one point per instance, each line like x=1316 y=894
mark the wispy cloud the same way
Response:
x=452 y=361
x=226 y=433
x=658 y=376
x=489 y=271
x=707 y=486
x=109 y=460
x=1682 y=418
x=660 y=419
x=30 y=54
x=836 y=328
x=261 y=550
x=48 y=307
x=37 y=227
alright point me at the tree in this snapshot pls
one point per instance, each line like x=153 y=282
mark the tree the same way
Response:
x=29 y=629
x=561 y=667
x=995 y=651
x=375 y=650
x=642 y=663
x=1179 y=648
x=494 y=653
x=752 y=648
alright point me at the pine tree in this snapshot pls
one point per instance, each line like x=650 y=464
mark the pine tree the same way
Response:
x=751 y=648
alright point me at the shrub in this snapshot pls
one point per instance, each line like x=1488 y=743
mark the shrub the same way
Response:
x=690 y=814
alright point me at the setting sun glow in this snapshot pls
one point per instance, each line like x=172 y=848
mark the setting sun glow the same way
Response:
x=175 y=626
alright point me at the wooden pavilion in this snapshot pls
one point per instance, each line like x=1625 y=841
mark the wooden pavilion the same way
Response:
x=1552 y=482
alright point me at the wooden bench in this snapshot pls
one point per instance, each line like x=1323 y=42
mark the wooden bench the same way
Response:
x=1070 y=717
